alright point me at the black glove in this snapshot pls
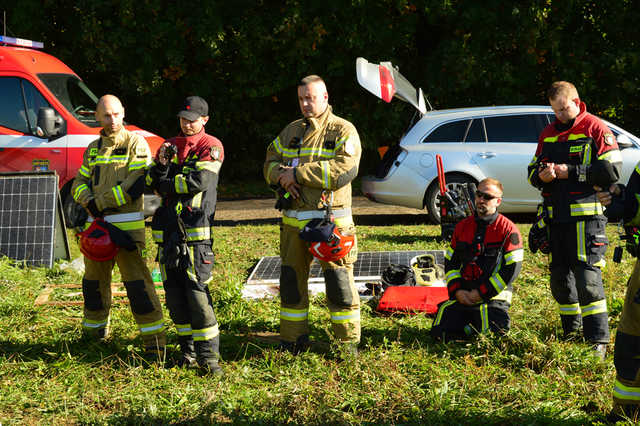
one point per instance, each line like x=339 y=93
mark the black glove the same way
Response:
x=175 y=254
x=93 y=209
x=539 y=239
x=284 y=201
x=136 y=190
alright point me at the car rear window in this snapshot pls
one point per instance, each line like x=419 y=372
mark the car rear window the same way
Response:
x=449 y=132
x=515 y=128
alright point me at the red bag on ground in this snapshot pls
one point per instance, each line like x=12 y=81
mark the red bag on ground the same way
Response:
x=412 y=299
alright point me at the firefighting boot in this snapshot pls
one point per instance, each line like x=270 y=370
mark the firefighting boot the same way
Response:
x=100 y=334
x=571 y=327
x=154 y=354
x=154 y=348
x=599 y=350
x=187 y=353
x=347 y=350
x=629 y=413
x=300 y=345
x=207 y=356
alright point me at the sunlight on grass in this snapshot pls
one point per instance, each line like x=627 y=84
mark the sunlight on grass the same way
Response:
x=401 y=375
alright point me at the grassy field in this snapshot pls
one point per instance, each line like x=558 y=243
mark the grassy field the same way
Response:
x=48 y=374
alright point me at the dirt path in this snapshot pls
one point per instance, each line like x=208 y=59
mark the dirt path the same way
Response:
x=365 y=211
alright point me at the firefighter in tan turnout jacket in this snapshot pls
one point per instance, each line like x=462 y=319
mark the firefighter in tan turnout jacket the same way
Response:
x=110 y=184
x=314 y=159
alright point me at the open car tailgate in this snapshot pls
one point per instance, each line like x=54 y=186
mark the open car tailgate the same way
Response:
x=385 y=81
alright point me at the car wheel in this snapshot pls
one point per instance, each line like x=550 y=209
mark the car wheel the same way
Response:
x=432 y=196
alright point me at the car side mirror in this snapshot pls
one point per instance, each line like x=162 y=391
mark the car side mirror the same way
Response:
x=624 y=141
x=50 y=125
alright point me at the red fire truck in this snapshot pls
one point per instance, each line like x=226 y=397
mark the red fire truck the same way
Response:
x=47 y=115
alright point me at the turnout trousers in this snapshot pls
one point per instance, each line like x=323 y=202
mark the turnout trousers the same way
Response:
x=143 y=300
x=457 y=321
x=626 y=358
x=577 y=254
x=190 y=305
x=343 y=299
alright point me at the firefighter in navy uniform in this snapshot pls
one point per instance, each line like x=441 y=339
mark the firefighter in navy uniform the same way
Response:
x=185 y=175
x=110 y=184
x=481 y=265
x=315 y=159
x=623 y=203
x=574 y=153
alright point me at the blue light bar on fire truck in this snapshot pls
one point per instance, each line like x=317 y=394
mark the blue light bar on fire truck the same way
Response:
x=21 y=42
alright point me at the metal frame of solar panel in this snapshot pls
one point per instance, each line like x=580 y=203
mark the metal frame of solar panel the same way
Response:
x=368 y=267
x=31 y=221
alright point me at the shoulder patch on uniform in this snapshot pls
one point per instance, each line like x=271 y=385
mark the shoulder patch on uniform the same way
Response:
x=350 y=147
x=514 y=238
x=141 y=150
x=608 y=138
x=215 y=152
x=93 y=152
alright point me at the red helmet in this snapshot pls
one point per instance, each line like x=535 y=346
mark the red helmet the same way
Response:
x=335 y=248
x=95 y=242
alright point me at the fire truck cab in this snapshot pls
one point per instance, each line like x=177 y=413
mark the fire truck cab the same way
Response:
x=47 y=116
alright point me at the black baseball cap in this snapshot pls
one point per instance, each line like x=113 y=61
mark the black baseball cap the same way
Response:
x=193 y=108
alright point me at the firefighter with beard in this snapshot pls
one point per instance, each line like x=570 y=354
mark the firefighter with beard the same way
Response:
x=312 y=162
x=109 y=184
x=574 y=153
x=481 y=265
x=185 y=174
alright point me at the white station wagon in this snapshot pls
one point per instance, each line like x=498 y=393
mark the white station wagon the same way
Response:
x=474 y=143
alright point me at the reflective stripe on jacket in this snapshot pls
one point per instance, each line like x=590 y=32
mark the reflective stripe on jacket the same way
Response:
x=589 y=148
x=111 y=168
x=188 y=187
x=497 y=251
x=325 y=152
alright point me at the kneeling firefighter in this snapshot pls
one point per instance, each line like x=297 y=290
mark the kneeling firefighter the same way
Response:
x=185 y=174
x=313 y=161
x=109 y=184
x=484 y=260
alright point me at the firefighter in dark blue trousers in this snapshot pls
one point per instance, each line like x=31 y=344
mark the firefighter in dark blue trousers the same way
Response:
x=481 y=265
x=574 y=153
x=185 y=174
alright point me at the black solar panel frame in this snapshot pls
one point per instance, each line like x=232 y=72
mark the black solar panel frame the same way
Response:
x=30 y=213
x=368 y=267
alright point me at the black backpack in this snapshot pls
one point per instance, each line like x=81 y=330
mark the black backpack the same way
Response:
x=398 y=275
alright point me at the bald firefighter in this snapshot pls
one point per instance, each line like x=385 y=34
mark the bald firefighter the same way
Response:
x=109 y=185
x=313 y=161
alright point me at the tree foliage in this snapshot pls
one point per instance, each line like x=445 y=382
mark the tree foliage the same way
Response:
x=245 y=57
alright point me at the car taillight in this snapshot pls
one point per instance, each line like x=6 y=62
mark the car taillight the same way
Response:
x=387 y=85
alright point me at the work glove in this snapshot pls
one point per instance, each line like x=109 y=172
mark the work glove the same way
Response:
x=93 y=209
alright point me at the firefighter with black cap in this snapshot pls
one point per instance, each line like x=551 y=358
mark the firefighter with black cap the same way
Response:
x=109 y=184
x=312 y=163
x=185 y=174
x=481 y=265
x=574 y=153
